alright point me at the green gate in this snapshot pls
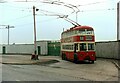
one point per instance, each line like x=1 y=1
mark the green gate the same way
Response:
x=3 y=50
x=54 y=48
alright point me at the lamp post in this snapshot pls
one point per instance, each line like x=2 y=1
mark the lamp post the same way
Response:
x=34 y=55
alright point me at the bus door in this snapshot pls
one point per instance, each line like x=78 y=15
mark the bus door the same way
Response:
x=75 y=51
x=75 y=47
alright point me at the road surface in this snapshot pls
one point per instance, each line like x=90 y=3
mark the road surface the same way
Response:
x=101 y=70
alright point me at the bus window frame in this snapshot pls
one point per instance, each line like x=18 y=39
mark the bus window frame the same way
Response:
x=83 y=43
x=93 y=44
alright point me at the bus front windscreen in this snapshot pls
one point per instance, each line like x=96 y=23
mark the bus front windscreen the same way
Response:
x=83 y=47
x=90 y=46
x=87 y=46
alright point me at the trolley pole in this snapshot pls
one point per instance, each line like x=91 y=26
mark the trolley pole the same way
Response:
x=77 y=16
x=34 y=56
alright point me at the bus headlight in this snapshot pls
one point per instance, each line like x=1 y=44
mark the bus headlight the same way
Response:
x=92 y=54
x=81 y=55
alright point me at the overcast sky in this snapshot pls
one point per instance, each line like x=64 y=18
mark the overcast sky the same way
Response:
x=99 y=14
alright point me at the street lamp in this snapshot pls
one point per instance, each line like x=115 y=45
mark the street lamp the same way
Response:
x=34 y=55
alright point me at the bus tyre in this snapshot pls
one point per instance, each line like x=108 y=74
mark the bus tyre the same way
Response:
x=92 y=62
x=63 y=57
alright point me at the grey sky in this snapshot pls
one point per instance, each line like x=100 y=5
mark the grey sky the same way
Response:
x=100 y=15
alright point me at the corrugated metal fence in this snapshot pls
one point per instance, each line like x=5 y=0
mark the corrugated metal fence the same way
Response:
x=108 y=49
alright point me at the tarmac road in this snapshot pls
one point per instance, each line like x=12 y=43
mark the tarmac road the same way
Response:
x=34 y=73
x=102 y=70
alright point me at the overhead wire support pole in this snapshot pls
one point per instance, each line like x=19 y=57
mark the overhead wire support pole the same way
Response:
x=34 y=56
x=8 y=27
x=34 y=32
x=8 y=33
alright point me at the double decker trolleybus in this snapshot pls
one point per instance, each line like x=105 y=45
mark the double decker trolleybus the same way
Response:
x=78 y=44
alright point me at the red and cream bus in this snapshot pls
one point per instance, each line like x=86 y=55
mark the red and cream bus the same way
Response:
x=78 y=44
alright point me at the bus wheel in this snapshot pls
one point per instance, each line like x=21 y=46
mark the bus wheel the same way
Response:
x=63 y=57
x=91 y=62
x=75 y=59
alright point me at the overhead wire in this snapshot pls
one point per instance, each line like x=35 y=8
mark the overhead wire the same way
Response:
x=56 y=15
x=91 y=3
x=13 y=6
x=108 y=9
x=49 y=11
x=71 y=6
x=68 y=5
x=12 y=20
x=47 y=20
x=59 y=3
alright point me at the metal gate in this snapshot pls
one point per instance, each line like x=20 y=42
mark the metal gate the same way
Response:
x=54 y=48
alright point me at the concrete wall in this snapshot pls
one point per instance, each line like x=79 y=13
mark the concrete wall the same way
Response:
x=20 y=49
x=0 y=49
x=108 y=49
x=44 y=47
x=25 y=48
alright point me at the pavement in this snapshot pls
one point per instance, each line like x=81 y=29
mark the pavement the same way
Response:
x=26 y=60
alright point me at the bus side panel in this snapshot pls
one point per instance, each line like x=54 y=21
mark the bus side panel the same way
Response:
x=69 y=55
x=81 y=56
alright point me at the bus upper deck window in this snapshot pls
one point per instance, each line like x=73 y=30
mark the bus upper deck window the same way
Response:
x=89 y=32
x=82 y=31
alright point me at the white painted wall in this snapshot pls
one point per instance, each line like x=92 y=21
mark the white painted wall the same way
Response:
x=0 y=49
x=20 y=48
x=44 y=47
x=25 y=48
